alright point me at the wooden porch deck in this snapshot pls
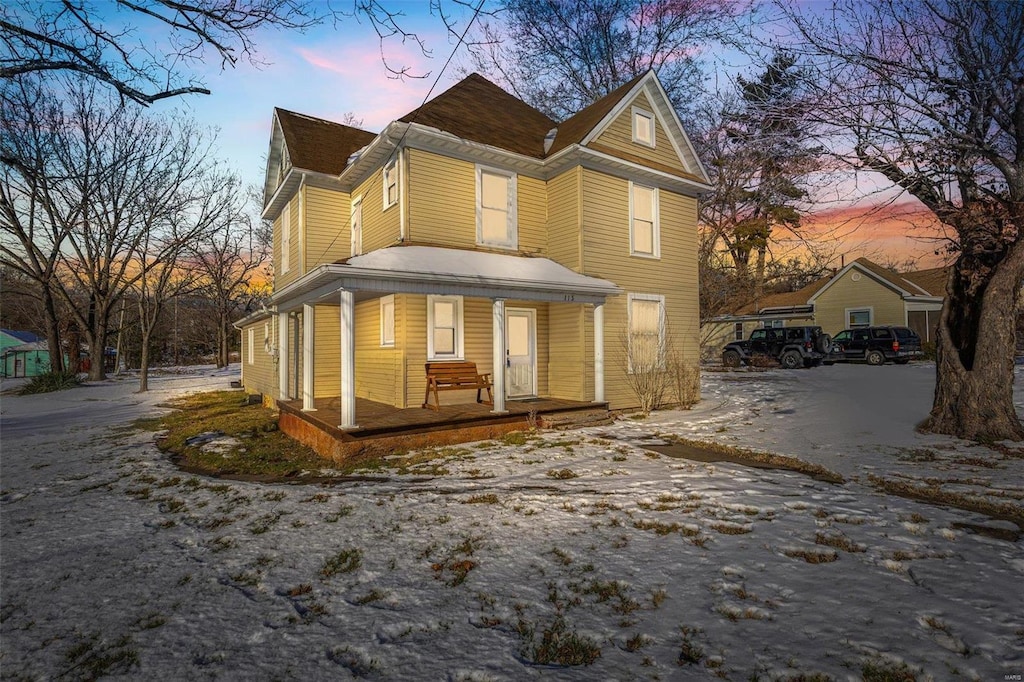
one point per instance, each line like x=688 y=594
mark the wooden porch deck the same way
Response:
x=384 y=429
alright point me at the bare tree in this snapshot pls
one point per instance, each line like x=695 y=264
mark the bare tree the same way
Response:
x=930 y=95
x=37 y=208
x=562 y=56
x=202 y=207
x=144 y=49
x=118 y=184
x=229 y=264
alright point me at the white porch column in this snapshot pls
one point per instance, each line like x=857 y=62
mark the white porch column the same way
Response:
x=500 y=357
x=282 y=356
x=598 y=352
x=308 y=345
x=348 y=360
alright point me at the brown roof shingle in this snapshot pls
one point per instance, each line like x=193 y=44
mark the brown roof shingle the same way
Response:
x=318 y=145
x=478 y=110
x=573 y=129
x=932 y=280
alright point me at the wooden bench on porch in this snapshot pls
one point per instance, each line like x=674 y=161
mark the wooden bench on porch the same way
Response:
x=454 y=376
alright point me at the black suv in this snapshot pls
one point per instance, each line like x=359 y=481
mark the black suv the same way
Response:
x=792 y=346
x=878 y=345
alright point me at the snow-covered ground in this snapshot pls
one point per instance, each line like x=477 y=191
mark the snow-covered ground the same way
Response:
x=114 y=562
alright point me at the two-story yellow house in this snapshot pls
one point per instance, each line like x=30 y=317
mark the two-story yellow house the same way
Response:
x=476 y=228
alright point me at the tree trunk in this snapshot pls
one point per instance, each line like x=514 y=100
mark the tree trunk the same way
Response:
x=52 y=332
x=222 y=342
x=97 y=339
x=974 y=371
x=144 y=363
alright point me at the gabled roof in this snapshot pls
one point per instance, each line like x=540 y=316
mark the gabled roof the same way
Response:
x=24 y=337
x=927 y=283
x=904 y=284
x=478 y=110
x=786 y=299
x=933 y=280
x=318 y=145
x=573 y=129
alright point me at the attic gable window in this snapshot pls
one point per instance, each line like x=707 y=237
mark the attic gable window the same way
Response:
x=644 y=229
x=496 y=220
x=390 y=176
x=643 y=127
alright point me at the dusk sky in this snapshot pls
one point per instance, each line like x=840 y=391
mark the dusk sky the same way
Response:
x=330 y=71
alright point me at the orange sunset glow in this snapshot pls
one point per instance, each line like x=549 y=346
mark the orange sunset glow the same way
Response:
x=893 y=232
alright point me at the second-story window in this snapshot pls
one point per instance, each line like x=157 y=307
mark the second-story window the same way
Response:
x=286 y=239
x=644 y=231
x=357 y=226
x=643 y=127
x=390 y=177
x=496 y=223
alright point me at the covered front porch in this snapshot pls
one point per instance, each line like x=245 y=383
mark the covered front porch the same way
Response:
x=386 y=429
x=434 y=272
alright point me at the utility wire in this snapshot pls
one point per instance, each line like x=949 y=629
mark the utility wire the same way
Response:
x=426 y=98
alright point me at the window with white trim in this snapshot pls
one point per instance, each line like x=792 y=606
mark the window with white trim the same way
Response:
x=444 y=328
x=390 y=182
x=858 y=317
x=286 y=238
x=387 y=321
x=737 y=331
x=357 y=226
x=644 y=230
x=646 y=332
x=643 y=127
x=252 y=345
x=496 y=220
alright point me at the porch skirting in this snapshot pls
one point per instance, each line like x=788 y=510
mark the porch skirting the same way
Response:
x=388 y=430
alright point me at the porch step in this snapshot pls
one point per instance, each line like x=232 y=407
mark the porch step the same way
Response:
x=575 y=419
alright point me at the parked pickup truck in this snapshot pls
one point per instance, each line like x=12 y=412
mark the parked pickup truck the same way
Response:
x=878 y=345
x=792 y=347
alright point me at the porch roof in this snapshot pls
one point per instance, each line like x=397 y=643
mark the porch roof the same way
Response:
x=437 y=270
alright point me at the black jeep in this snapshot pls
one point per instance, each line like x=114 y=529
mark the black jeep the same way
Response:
x=792 y=347
x=878 y=345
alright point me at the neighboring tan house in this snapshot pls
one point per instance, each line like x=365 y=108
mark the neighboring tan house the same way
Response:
x=860 y=294
x=476 y=228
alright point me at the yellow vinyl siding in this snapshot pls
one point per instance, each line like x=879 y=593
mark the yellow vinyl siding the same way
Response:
x=531 y=197
x=442 y=201
x=380 y=372
x=380 y=228
x=564 y=219
x=327 y=223
x=673 y=275
x=281 y=278
x=566 y=351
x=619 y=137
x=477 y=337
x=261 y=376
x=327 y=351
x=442 y=204
x=830 y=307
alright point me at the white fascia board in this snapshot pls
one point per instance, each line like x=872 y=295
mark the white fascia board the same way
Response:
x=374 y=155
x=617 y=110
x=330 y=277
x=252 y=318
x=926 y=301
x=605 y=162
x=435 y=140
x=679 y=131
x=292 y=181
x=860 y=268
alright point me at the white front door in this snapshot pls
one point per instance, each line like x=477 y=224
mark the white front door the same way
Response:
x=521 y=342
